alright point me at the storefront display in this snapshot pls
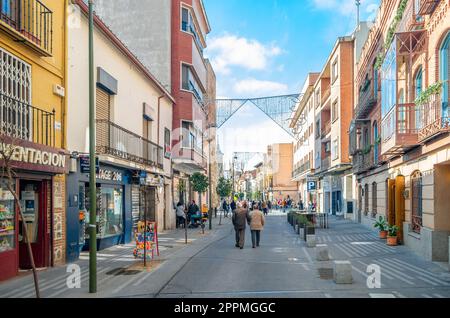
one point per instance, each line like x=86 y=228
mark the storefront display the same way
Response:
x=7 y=220
x=111 y=212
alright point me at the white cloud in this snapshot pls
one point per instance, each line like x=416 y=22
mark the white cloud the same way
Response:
x=256 y=88
x=230 y=50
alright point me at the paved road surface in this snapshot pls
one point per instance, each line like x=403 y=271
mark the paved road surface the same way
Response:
x=210 y=266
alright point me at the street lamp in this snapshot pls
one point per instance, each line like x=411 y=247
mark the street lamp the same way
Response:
x=210 y=137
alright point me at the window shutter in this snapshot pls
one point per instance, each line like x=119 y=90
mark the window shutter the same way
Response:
x=103 y=111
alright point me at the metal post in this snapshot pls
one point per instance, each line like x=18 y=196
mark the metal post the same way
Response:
x=92 y=174
x=210 y=183
x=145 y=226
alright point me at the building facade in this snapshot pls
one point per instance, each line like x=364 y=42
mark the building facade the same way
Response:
x=400 y=132
x=33 y=131
x=133 y=141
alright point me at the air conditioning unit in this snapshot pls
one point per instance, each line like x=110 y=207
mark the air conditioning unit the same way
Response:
x=59 y=90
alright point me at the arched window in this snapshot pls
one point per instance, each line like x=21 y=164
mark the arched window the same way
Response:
x=416 y=201
x=444 y=76
x=374 y=199
x=418 y=88
x=366 y=199
x=375 y=142
x=418 y=82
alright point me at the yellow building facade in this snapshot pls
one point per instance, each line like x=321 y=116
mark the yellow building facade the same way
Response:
x=33 y=59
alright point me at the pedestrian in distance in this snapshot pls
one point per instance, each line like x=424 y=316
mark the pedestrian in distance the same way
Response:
x=256 y=223
x=264 y=208
x=240 y=218
x=233 y=206
x=181 y=214
x=225 y=208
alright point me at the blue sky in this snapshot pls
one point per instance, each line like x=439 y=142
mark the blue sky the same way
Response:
x=266 y=47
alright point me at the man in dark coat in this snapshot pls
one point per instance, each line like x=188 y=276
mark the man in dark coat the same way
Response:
x=240 y=219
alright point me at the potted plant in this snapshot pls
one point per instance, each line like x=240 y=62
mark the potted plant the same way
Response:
x=382 y=225
x=392 y=235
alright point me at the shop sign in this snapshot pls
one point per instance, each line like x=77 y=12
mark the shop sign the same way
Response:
x=29 y=157
x=85 y=164
x=312 y=186
x=155 y=180
x=110 y=175
x=167 y=152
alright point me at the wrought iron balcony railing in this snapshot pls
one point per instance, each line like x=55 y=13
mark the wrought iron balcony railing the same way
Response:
x=367 y=100
x=31 y=19
x=399 y=129
x=301 y=169
x=432 y=120
x=428 y=6
x=121 y=143
x=23 y=121
x=363 y=160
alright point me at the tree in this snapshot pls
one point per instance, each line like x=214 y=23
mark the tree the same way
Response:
x=224 y=188
x=200 y=184
x=7 y=176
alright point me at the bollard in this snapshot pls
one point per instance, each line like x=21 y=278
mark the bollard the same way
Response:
x=322 y=252
x=343 y=272
x=311 y=240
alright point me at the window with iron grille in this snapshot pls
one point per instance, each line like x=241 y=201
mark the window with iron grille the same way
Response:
x=15 y=97
x=416 y=201
x=366 y=199
x=374 y=199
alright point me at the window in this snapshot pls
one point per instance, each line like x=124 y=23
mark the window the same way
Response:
x=318 y=129
x=366 y=199
x=389 y=81
x=374 y=199
x=418 y=85
x=111 y=212
x=185 y=19
x=189 y=83
x=15 y=94
x=376 y=143
x=335 y=149
x=147 y=129
x=444 y=75
x=185 y=134
x=335 y=70
x=167 y=143
x=317 y=98
x=334 y=111
x=416 y=201
x=375 y=82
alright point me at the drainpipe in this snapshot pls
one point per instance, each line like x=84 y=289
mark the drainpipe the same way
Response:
x=159 y=113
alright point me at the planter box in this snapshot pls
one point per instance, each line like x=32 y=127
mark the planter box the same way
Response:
x=308 y=230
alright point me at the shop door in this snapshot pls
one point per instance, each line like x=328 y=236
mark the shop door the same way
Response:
x=391 y=201
x=33 y=197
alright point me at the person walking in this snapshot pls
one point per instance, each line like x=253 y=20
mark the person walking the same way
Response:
x=240 y=218
x=233 y=206
x=225 y=208
x=256 y=222
x=264 y=208
x=181 y=215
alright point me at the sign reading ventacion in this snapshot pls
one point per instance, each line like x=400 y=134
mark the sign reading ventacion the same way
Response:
x=33 y=156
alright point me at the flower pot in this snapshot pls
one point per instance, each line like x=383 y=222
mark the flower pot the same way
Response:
x=392 y=240
x=383 y=235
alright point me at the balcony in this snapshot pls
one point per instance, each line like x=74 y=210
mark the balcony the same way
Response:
x=301 y=169
x=326 y=129
x=357 y=127
x=412 y=19
x=326 y=94
x=363 y=160
x=367 y=100
x=325 y=164
x=433 y=121
x=30 y=22
x=118 y=142
x=427 y=7
x=20 y=120
x=399 y=129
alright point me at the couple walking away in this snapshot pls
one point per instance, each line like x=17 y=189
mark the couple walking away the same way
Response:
x=255 y=219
